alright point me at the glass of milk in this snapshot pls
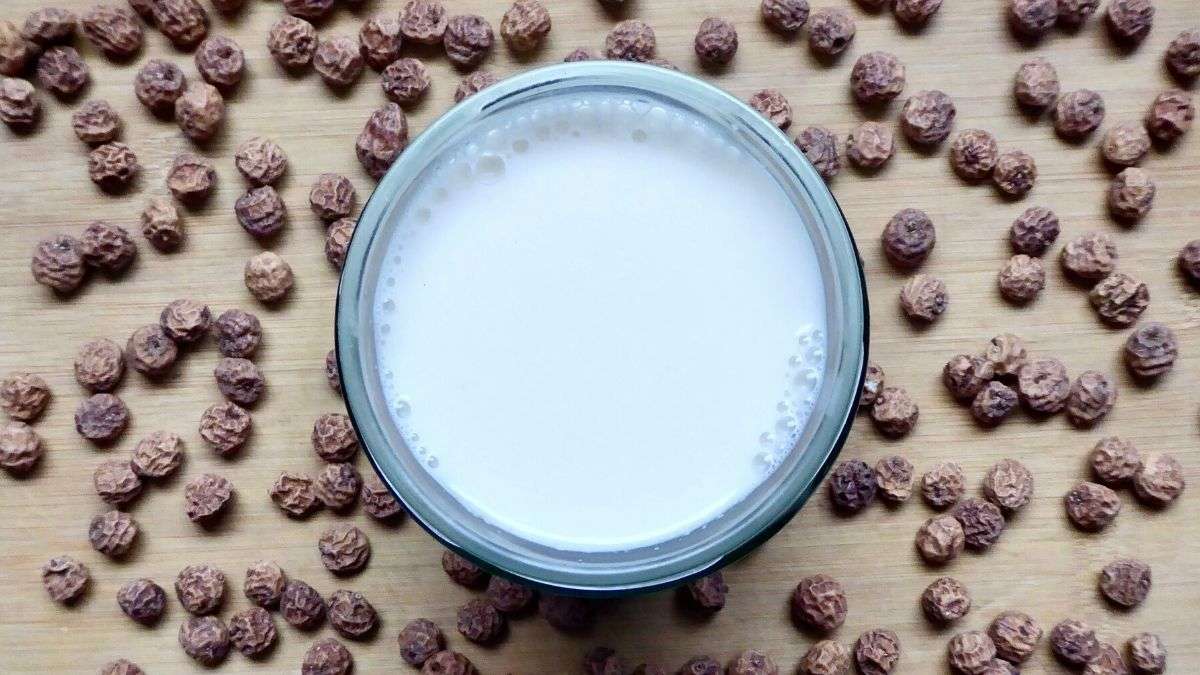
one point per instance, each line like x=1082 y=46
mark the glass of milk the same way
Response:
x=602 y=328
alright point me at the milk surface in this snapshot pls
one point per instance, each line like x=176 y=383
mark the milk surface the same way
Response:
x=599 y=324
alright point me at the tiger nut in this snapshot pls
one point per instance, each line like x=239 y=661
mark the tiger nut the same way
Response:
x=830 y=31
x=1034 y=231
x=65 y=579
x=773 y=105
x=1036 y=85
x=337 y=241
x=1074 y=642
x=945 y=600
x=870 y=145
x=351 y=615
x=264 y=583
x=252 y=631
x=19 y=105
x=158 y=85
x=1159 y=480
x=1015 y=635
x=1170 y=115
x=877 y=651
x=380 y=40
x=20 y=448
x=238 y=333
x=943 y=485
x=295 y=494
x=1022 y=278
x=820 y=147
x=1090 y=256
x=206 y=496
x=468 y=40
x=405 y=81
x=332 y=197
x=420 y=640
x=1130 y=20
x=205 y=639
x=852 y=485
x=113 y=166
x=525 y=25
x=101 y=418
x=143 y=601
x=1015 y=173
x=971 y=652
x=382 y=140
x=423 y=21
x=301 y=606
x=1078 y=113
x=927 y=117
x=292 y=42
x=473 y=83
x=191 y=179
x=993 y=404
x=344 y=549
x=1183 y=55
x=112 y=533
x=1007 y=353
x=965 y=375
x=924 y=298
x=225 y=427
x=908 y=238
x=973 y=154
x=96 y=122
x=338 y=61
x=895 y=413
x=158 y=455
x=819 y=602
x=462 y=571
x=1125 y=582
x=1147 y=653
x=150 y=351
x=261 y=212
x=1150 y=350
x=716 y=42
x=1091 y=507
x=338 y=486
x=1125 y=144
x=115 y=31
x=785 y=16
x=1115 y=460
x=184 y=22
x=379 y=503
x=631 y=40
x=220 y=62
x=115 y=481
x=62 y=71
x=940 y=539
x=981 y=520
x=1032 y=18
x=894 y=478
x=199 y=111
x=1131 y=194
x=24 y=396
x=268 y=277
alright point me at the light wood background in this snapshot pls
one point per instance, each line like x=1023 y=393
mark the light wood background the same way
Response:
x=1041 y=565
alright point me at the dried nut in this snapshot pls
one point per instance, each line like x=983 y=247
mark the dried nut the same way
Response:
x=65 y=579
x=113 y=166
x=200 y=589
x=1022 y=278
x=252 y=631
x=19 y=106
x=462 y=571
x=1090 y=256
x=337 y=241
x=877 y=651
x=115 y=31
x=1008 y=484
x=1115 y=461
x=15 y=50
x=1130 y=20
x=479 y=621
x=205 y=639
x=344 y=549
x=982 y=522
x=327 y=656
x=708 y=592
x=351 y=615
x=894 y=478
x=908 y=238
x=631 y=40
x=965 y=375
x=915 y=13
x=262 y=162
x=292 y=42
x=338 y=486
x=924 y=298
x=161 y=225
x=474 y=83
x=158 y=85
x=894 y=413
x=158 y=455
x=151 y=351
x=1074 y=642
x=143 y=601
x=701 y=665
x=943 y=485
x=101 y=418
x=1170 y=115
x=872 y=383
x=1159 y=481
x=238 y=333
x=20 y=448
x=525 y=25
x=382 y=140
x=185 y=321
x=112 y=533
x=1034 y=231
x=945 y=600
x=752 y=662
x=468 y=40
x=239 y=380
x=1072 y=13
x=1125 y=582
x=191 y=179
x=333 y=438
x=24 y=396
x=826 y=657
x=819 y=602
x=1032 y=18
x=184 y=22
x=785 y=16
x=716 y=42
x=1007 y=354
x=602 y=661
x=940 y=539
x=870 y=145
x=1092 y=397
x=332 y=197
x=264 y=583
x=511 y=597
x=58 y=263
x=1189 y=261
x=1015 y=636
x=338 y=61
x=565 y=613
x=1147 y=653
x=378 y=502
x=62 y=71
x=332 y=374
x=830 y=31
x=1091 y=507
x=420 y=639
x=773 y=105
x=581 y=54
x=405 y=81
x=379 y=40
x=927 y=117
x=1125 y=144
x=301 y=606
x=1078 y=113
x=96 y=122
x=268 y=277
x=295 y=494
x=1183 y=55
x=449 y=662
x=1036 y=84
x=199 y=111
x=1015 y=173
x=852 y=486
x=973 y=154
x=971 y=652
x=1150 y=350
x=220 y=62
x=1131 y=194
x=993 y=404
x=261 y=212
x=225 y=427
x=106 y=247
x=1044 y=385
x=423 y=21
x=308 y=9
x=820 y=146
x=206 y=496
x=49 y=25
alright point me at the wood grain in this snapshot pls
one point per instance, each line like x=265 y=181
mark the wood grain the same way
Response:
x=1041 y=565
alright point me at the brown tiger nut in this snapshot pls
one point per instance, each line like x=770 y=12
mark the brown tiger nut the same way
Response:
x=914 y=14
x=700 y=665
x=185 y=321
x=261 y=212
x=158 y=85
x=971 y=652
x=1093 y=395
x=351 y=615
x=19 y=105
x=924 y=298
x=337 y=241
x=200 y=589
x=96 y=122
x=1183 y=55
x=852 y=486
x=1074 y=642
x=301 y=606
x=1159 y=480
x=449 y=663
x=820 y=147
x=943 y=485
x=420 y=639
x=332 y=374
x=1022 y=278
x=993 y=404
x=62 y=71
x=945 y=600
x=16 y=51
x=1170 y=115
x=113 y=166
x=909 y=238
x=378 y=502
x=1147 y=653
x=1090 y=256
x=57 y=263
x=940 y=539
x=927 y=117
x=308 y=9
x=982 y=522
x=602 y=661
x=1150 y=350
x=261 y=161
x=143 y=601
x=327 y=656
x=65 y=579
x=112 y=533
x=1091 y=507
x=873 y=380
x=268 y=277
x=894 y=478
x=264 y=583
x=295 y=494
x=1131 y=194
x=1034 y=231
x=773 y=105
x=115 y=31
x=332 y=197
x=830 y=31
x=965 y=375
x=1130 y=20
x=238 y=333
x=150 y=351
x=895 y=413
x=423 y=21
x=877 y=651
x=252 y=631
x=462 y=571
x=708 y=592
x=479 y=621
x=184 y=22
x=1073 y=13
x=379 y=40
x=382 y=139
x=405 y=81
x=1078 y=113
x=49 y=26
x=344 y=549
x=20 y=448
x=1036 y=85
x=468 y=40
x=1015 y=635
x=1032 y=18
x=24 y=396
x=566 y=613
x=1125 y=582
x=826 y=657
x=191 y=179
x=716 y=42
x=107 y=247
x=338 y=61
x=1044 y=385
x=333 y=438
x=101 y=418
x=509 y=597
x=631 y=40
x=1015 y=173
x=205 y=639
x=870 y=145
x=785 y=16
x=199 y=111
x=338 y=486
x=206 y=497
x=581 y=54
x=239 y=380
x=220 y=61
x=158 y=455
x=474 y=83
x=752 y=662
x=819 y=602
x=973 y=154
x=1125 y=144
x=1115 y=460
x=525 y=25
x=225 y=427
x=292 y=42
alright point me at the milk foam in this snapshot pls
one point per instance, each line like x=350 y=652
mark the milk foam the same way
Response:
x=599 y=323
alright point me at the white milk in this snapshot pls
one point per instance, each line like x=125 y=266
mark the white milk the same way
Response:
x=600 y=325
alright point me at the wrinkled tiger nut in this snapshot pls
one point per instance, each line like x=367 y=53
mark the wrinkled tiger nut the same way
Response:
x=700 y=665
x=351 y=615
x=449 y=662
x=894 y=478
x=473 y=83
x=973 y=154
x=852 y=485
x=158 y=455
x=1074 y=642
x=1125 y=144
x=292 y=42
x=101 y=418
x=830 y=31
x=301 y=606
x=525 y=25
x=1078 y=113
x=581 y=54
x=332 y=197
x=332 y=374
x=1183 y=55
x=943 y=485
x=378 y=502
x=239 y=380
x=338 y=485
x=24 y=396
x=382 y=139
x=20 y=448
x=971 y=652
x=423 y=21
x=1131 y=194
x=337 y=241
x=716 y=42
x=115 y=31
x=1159 y=480
x=752 y=662
x=379 y=40
x=602 y=661
x=106 y=247
x=261 y=212
x=338 y=61
x=1130 y=20
x=940 y=539
x=511 y=597
x=1034 y=231
x=993 y=404
x=252 y=631
x=820 y=147
x=1170 y=115
x=238 y=333
x=981 y=520
x=206 y=497
x=826 y=657
x=333 y=438
x=1115 y=460
x=49 y=26
x=870 y=145
x=895 y=413
x=158 y=85
x=819 y=602
x=1044 y=385
x=269 y=277
x=151 y=351
x=113 y=166
x=199 y=111
x=405 y=81
x=1073 y=13
x=908 y=238
x=264 y=583
x=773 y=105
x=184 y=22
x=1015 y=173
x=308 y=9
x=873 y=380
x=200 y=589
x=1032 y=18
x=965 y=375
x=57 y=263
x=924 y=298
x=112 y=533
x=295 y=494
x=220 y=61
x=914 y=14
x=708 y=592
x=62 y=71
x=877 y=651
x=566 y=613
x=15 y=50
x=1036 y=85
x=945 y=600
x=143 y=601
x=785 y=16
x=479 y=621
x=1015 y=635
x=420 y=639
x=191 y=179
x=468 y=40
x=19 y=105
x=1022 y=278
x=65 y=579
x=1093 y=395
x=927 y=117
x=205 y=639
x=225 y=427
x=462 y=571
x=1090 y=256
x=1091 y=507
x=185 y=321
x=1007 y=353
x=261 y=161
x=96 y=122
x=1125 y=582
x=1147 y=654
x=1150 y=350
x=344 y=549
x=631 y=40
x=327 y=656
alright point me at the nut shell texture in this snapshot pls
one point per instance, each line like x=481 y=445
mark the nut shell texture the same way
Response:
x=65 y=579
x=200 y=589
x=819 y=602
x=344 y=549
x=877 y=652
x=1151 y=350
x=143 y=601
x=1091 y=507
x=205 y=639
x=252 y=631
x=301 y=606
x=264 y=583
x=351 y=615
x=1016 y=635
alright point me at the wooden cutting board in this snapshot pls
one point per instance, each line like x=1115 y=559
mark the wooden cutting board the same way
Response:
x=1041 y=565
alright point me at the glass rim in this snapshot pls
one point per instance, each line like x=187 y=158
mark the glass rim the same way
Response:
x=831 y=422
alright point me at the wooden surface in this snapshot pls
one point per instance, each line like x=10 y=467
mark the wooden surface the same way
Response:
x=1041 y=565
